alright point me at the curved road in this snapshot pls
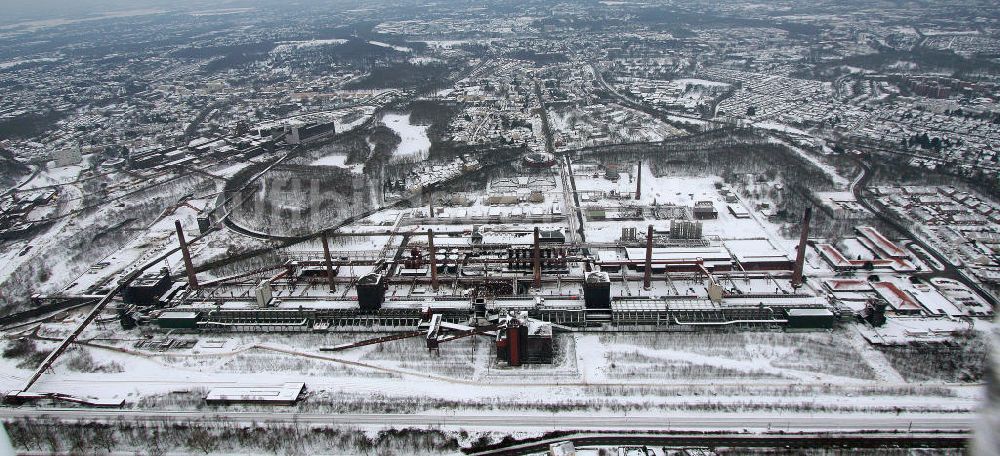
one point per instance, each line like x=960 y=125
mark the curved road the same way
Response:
x=643 y=107
x=950 y=271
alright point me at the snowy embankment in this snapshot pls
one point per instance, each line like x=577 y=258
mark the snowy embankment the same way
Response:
x=827 y=169
x=657 y=375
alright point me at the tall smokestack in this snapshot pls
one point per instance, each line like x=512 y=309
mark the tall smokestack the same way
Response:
x=638 y=181
x=648 y=276
x=434 y=271
x=329 y=263
x=430 y=198
x=188 y=265
x=800 y=257
x=538 y=262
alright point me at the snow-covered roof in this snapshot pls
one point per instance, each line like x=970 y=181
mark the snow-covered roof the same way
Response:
x=178 y=315
x=809 y=313
x=289 y=392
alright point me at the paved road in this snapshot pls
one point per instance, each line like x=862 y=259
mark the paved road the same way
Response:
x=950 y=271
x=643 y=107
x=688 y=421
x=544 y=114
x=740 y=441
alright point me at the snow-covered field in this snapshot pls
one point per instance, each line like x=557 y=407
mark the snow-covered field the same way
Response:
x=415 y=142
x=54 y=176
x=655 y=373
x=681 y=191
x=332 y=160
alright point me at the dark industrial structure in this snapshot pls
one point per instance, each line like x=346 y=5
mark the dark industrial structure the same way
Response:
x=539 y=160
x=597 y=290
x=810 y=319
x=371 y=292
x=525 y=342
x=148 y=289
x=515 y=288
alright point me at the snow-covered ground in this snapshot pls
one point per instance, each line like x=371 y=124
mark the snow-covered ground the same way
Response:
x=772 y=125
x=332 y=160
x=391 y=46
x=53 y=176
x=286 y=46
x=415 y=142
x=657 y=373
x=828 y=169
x=681 y=191
x=700 y=82
x=448 y=44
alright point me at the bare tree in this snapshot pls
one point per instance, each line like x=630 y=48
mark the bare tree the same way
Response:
x=202 y=440
x=104 y=437
x=154 y=446
x=53 y=441
x=79 y=439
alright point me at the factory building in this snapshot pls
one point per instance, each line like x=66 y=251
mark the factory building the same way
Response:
x=685 y=229
x=738 y=211
x=148 y=289
x=758 y=255
x=371 y=291
x=881 y=244
x=680 y=259
x=299 y=129
x=529 y=342
x=178 y=320
x=551 y=236
x=810 y=319
x=405 y=313
x=705 y=210
x=464 y=282
x=597 y=290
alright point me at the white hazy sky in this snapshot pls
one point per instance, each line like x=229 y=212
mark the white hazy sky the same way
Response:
x=29 y=10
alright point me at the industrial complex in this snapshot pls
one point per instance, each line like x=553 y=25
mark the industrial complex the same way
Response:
x=514 y=285
x=529 y=227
